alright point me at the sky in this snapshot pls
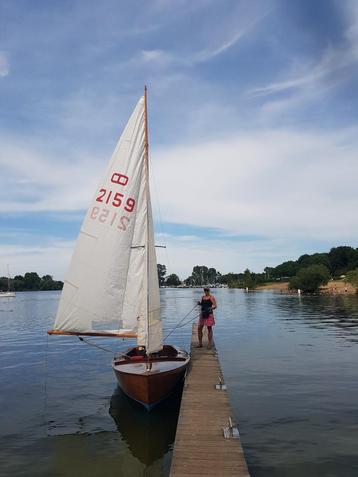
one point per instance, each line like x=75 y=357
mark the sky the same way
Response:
x=253 y=125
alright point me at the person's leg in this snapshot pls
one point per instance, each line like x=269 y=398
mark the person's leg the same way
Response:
x=210 y=337
x=200 y=335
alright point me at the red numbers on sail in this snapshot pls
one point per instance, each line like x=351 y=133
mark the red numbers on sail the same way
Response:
x=112 y=198
x=116 y=199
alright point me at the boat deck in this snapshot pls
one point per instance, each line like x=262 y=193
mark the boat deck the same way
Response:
x=156 y=367
x=200 y=447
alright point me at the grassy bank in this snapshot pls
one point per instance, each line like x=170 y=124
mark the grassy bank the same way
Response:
x=333 y=287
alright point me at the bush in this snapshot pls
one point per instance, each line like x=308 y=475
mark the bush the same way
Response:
x=309 y=279
x=352 y=278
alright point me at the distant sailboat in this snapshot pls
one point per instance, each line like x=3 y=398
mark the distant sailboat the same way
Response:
x=9 y=293
x=111 y=288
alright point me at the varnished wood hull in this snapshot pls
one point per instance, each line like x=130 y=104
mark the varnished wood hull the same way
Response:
x=151 y=381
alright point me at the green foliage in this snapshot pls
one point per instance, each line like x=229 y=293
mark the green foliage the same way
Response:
x=285 y=270
x=3 y=283
x=172 y=280
x=249 y=279
x=342 y=259
x=352 y=278
x=234 y=284
x=314 y=259
x=309 y=279
x=231 y=280
x=162 y=271
x=202 y=275
x=31 y=282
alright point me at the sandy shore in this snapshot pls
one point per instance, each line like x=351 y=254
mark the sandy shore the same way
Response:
x=333 y=287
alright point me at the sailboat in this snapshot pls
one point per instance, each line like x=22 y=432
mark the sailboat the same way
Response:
x=111 y=287
x=9 y=293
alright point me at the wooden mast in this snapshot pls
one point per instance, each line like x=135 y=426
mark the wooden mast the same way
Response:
x=146 y=158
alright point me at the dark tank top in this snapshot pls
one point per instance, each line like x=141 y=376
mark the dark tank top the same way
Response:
x=206 y=305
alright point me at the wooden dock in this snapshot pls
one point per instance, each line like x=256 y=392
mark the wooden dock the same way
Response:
x=200 y=447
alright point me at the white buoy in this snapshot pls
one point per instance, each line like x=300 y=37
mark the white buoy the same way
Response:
x=247 y=289
x=299 y=292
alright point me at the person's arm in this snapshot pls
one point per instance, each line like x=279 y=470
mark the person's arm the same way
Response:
x=213 y=301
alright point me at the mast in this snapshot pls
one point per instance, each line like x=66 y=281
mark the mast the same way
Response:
x=146 y=158
x=8 y=278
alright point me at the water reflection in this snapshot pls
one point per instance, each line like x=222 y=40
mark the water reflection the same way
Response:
x=149 y=435
x=335 y=313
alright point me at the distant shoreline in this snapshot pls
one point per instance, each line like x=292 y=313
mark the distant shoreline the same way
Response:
x=333 y=287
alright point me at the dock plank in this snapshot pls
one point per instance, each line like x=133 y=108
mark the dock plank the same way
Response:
x=200 y=447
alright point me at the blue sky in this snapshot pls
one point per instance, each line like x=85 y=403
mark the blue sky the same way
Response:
x=253 y=125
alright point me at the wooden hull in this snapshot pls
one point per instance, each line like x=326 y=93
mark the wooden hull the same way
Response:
x=149 y=381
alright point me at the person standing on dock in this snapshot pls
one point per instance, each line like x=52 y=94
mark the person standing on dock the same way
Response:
x=208 y=304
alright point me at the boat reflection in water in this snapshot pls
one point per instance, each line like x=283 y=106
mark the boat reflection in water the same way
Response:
x=149 y=435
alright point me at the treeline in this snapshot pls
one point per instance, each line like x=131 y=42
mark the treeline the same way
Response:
x=31 y=281
x=202 y=275
x=308 y=272
x=338 y=261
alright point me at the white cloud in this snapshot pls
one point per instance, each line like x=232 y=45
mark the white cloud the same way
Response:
x=312 y=75
x=4 y=64
x=34 y=180
x=157 y=56
x=229 y=42
x=275 y=183
x=50 y=258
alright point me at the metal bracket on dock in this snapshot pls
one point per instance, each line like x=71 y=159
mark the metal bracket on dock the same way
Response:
x=231 y=431
x=221 y=386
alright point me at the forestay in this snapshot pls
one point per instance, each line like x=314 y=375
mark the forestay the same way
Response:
x=111 y=286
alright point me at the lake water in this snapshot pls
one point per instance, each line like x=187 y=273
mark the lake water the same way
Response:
x=290 y=364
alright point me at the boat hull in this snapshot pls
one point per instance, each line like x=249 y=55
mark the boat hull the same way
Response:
x=149 y=381
x=7 y=294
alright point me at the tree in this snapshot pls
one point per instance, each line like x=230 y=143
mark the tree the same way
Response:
x=268 y=272
x=352 y=278
x=342 y=259
x=162 y=271
x=172 y=280
x=200 y=275
x=212 y=274
x=32 y=281
x=285 y=269
x=18 y=282
x=230 y=279
x=314 y=259
x=3 y=283
x=249 y=279
x=47 y=283
x=309 y=279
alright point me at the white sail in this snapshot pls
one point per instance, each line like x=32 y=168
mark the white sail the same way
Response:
x=106 y=288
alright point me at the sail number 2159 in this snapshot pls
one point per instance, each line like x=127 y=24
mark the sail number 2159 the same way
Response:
x=116 y=198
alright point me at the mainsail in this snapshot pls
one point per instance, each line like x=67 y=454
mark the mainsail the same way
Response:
x=111 y=286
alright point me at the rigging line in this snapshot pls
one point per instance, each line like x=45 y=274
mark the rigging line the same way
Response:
x=45 y=384
x=157 y=201
x=183 y=324
x=189 y=321
x=90 y=343
x=178 y=324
